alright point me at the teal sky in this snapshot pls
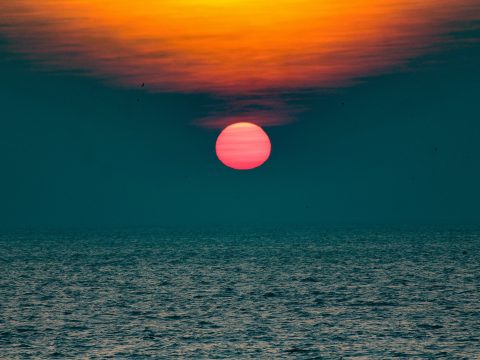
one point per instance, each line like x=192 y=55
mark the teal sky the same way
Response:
x=399 y=149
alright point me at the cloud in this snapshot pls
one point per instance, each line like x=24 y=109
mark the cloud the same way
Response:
x=231 y=48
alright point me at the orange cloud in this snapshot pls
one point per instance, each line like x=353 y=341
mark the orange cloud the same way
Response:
x=229 y=47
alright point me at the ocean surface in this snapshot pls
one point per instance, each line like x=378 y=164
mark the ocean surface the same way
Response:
x=306 y=294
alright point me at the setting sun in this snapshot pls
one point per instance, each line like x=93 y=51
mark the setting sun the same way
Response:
x=243 y=146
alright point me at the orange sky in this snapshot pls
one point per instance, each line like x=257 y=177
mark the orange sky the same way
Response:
x=229 y=47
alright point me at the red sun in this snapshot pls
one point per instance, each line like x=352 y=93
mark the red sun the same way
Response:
x=243 y=146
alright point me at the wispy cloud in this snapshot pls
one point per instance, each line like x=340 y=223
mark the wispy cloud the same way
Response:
x=238 y=49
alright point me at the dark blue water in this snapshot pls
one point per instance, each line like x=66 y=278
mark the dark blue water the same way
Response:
x=307 y=294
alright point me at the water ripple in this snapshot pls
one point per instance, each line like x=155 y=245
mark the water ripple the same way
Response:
x=359 y=294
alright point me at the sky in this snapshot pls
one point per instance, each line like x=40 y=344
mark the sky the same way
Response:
x=387 y=140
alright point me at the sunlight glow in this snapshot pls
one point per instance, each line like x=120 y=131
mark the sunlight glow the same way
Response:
x=229 y=47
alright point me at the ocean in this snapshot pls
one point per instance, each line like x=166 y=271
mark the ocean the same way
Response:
x=250 y=294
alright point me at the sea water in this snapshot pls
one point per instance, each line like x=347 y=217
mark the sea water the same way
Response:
x=367 y=294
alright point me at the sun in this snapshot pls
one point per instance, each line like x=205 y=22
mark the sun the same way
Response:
x=243 y=146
